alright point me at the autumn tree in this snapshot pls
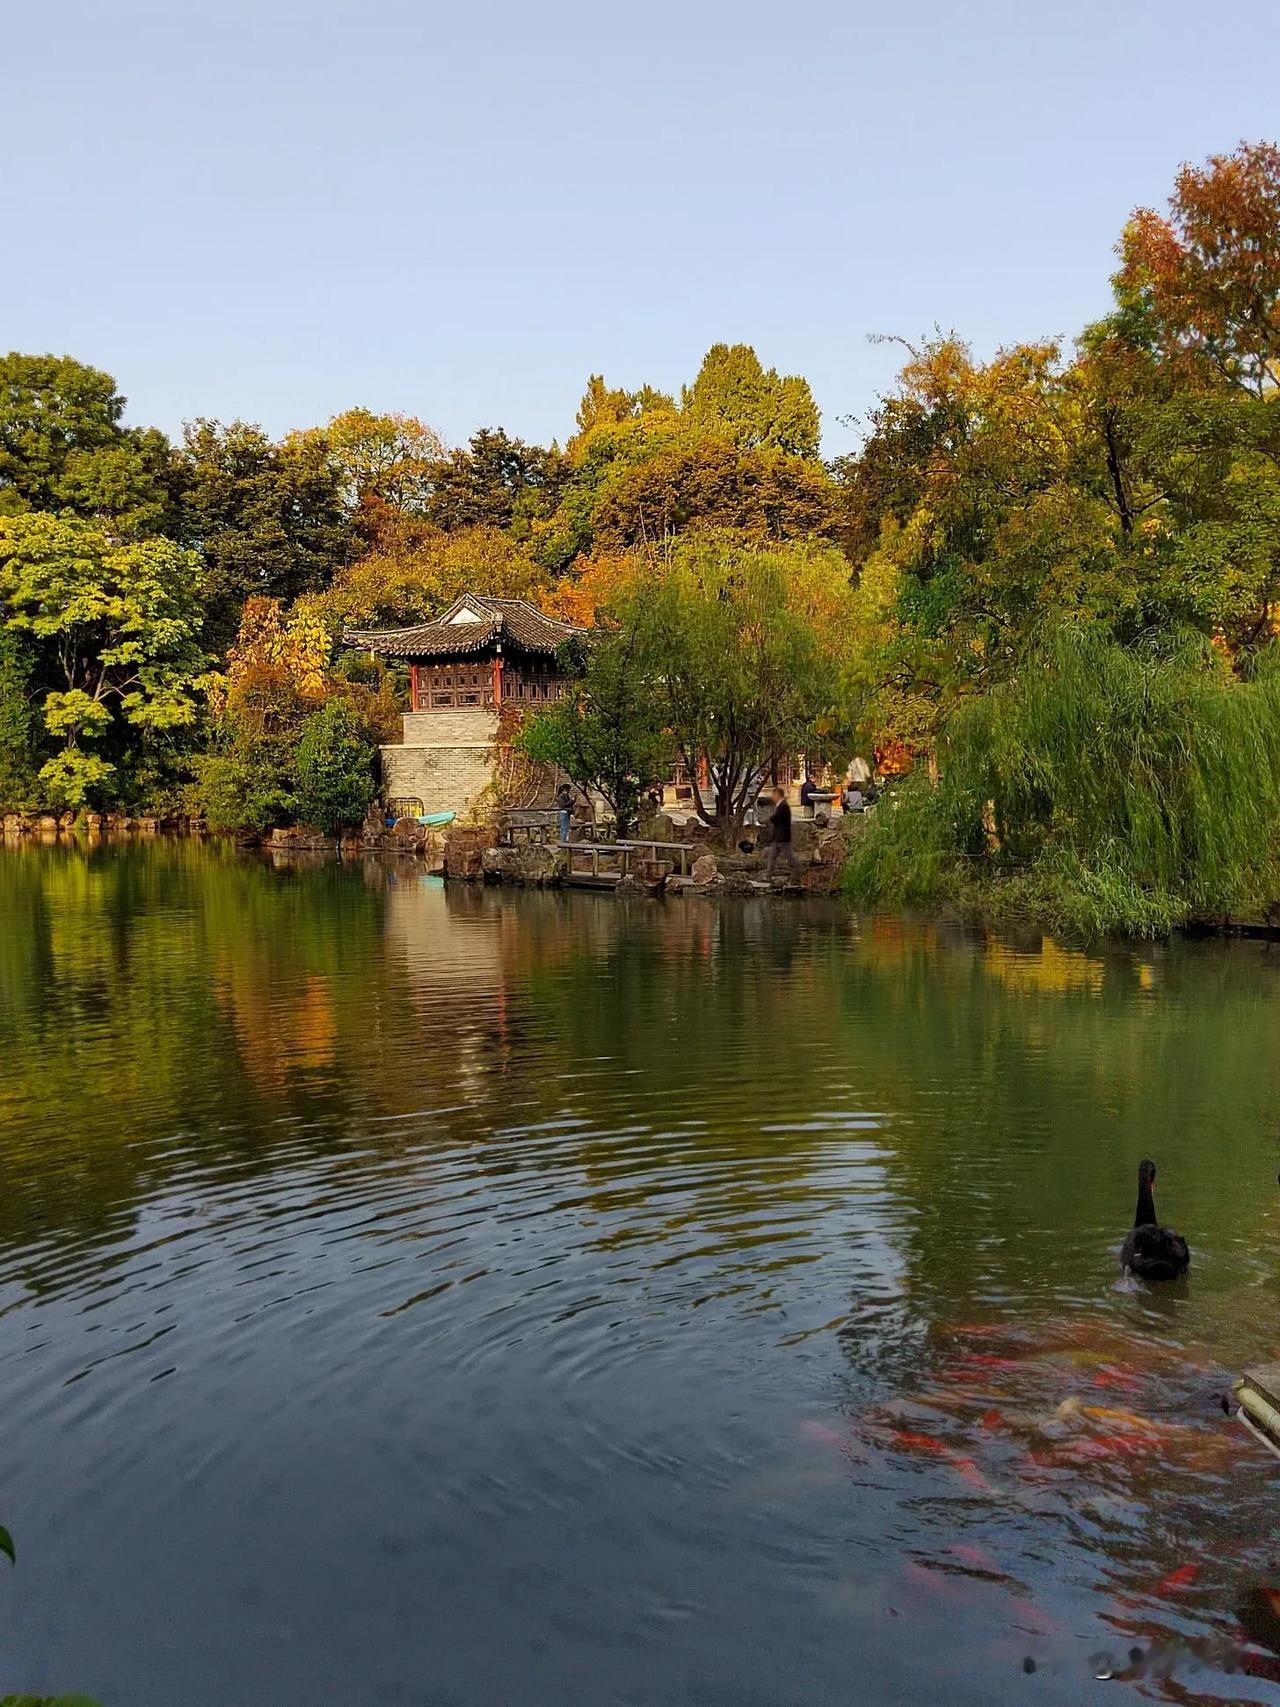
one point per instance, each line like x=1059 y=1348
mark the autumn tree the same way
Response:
x=412 y=582
x=1203 y=282
x=279 y=680
x=384 y=465
x=707 y=483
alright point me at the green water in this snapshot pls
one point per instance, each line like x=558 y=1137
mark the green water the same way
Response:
x=428 y=1295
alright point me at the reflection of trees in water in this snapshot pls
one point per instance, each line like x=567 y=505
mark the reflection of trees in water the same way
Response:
x=176 y=1002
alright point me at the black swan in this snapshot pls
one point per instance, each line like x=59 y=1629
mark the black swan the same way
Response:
x=1153 y=1252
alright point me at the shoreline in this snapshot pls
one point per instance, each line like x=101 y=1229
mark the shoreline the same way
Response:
x=472 y=854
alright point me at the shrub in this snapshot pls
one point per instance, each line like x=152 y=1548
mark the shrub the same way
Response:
x=334 y=771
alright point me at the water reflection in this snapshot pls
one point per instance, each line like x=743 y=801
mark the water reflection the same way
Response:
x=540 y=1296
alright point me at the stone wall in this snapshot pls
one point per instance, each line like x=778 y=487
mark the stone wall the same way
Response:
x=465 y=727
x=445 y=759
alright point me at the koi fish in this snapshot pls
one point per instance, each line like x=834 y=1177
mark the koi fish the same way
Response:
x=1075 y=1407
x=1181 y=1578
x=919 y=1442
x=1117 y=1378
x=964 y=1467
x=991 y=1419
x=820 y=1434
x=976 y=1557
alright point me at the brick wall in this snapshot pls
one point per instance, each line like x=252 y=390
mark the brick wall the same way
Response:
x=444 y=779
x=462 y=728
x=445 y=759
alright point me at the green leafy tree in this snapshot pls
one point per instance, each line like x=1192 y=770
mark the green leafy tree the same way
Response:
x=606 y=733
x=497 y=482
x=1100 y=787
x=18 y=763
x=334 y=769
x=740 y=648
x=63 y=446
x=115 y=627
x=733 y=394
x=270 y=520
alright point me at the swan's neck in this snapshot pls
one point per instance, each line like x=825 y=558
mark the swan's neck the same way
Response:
x=1146 y=1211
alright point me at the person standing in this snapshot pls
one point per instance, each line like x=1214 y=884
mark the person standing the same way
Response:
x=780 y=847
x=564 y=810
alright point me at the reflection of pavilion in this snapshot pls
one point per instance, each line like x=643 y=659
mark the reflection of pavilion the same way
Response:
x=467 y=952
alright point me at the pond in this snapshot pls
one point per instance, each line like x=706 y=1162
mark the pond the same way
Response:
x=414 y=1294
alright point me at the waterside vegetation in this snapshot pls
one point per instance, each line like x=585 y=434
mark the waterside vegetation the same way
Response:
x=1047 y=580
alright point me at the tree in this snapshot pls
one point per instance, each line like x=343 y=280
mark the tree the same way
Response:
x=734 y=395
x=63 y=446
x=17 y=751
x=602 y=405
x=334 y=769
x=409 y=583
x=707 y=483
x=383 y=463
x=116 y=626
x=606 y=732
x=1101 y=786
x=740 y=645
x=269 y=520
x=279 y=677
x=1204 y=283
x=497 y=482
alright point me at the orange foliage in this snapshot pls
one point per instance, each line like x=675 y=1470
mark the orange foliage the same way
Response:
x=1210 y=273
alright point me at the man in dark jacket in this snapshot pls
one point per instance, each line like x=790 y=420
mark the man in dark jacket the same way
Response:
x=780 y=847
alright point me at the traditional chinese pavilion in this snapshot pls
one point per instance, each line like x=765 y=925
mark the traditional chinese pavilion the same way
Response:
x=478 y=656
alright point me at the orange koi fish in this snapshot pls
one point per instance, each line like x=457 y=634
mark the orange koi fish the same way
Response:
x=1179 y=1579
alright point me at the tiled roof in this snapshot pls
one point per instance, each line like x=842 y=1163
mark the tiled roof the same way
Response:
x=514 y=622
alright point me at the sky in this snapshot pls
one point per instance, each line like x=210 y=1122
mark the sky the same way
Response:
x=274 y=210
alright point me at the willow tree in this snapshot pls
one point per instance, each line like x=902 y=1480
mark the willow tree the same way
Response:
x=741 y=648
x=1102 y=786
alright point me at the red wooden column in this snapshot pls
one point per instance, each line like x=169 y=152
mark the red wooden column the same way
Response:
x=413 y=687
x=497 y=682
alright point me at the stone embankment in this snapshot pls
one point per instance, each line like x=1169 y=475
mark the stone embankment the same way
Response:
x=47 y=825
x=473 y=854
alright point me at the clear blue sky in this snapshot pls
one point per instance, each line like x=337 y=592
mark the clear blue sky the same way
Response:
x=275 y=210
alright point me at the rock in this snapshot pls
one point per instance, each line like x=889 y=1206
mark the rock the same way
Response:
x=17 y=824
x=302 y=838
x=407 y=833
x=533 y=863
x=705 y=871
x=805 y=833
x=149 y=826
x=498 y=865
x=93 y=823
x=47 y=824
x=463 y=853
x=661 y=828
x=653 y=874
